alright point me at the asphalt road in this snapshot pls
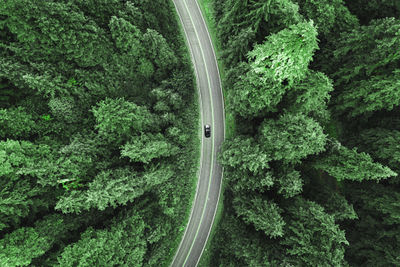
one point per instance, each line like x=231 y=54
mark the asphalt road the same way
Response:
x=212 y=113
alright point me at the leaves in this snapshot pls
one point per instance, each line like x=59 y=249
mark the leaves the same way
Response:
x=292 y=137
x=286 y=54
x=147 y=147
x=264 y=214
x=344 y=163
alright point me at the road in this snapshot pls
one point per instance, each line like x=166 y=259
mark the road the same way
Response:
x=212 y=113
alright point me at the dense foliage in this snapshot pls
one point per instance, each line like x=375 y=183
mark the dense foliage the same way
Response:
x=313 y=162
x=98 y=132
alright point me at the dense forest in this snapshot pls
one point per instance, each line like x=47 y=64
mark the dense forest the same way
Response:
x=99 y=139
x=311 y=171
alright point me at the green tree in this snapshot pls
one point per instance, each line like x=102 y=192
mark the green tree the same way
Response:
x=292 y=137
x=17 y=198
x=373 y=94
x=21 y=246
x=378 y=40
x=113 y=188
x=311 y=96
x=127 y=37
x=311 y=236
x=147 y=147
x=286 y=54
x=263 y=214
x=16 y=123
x=243 y=152
x=117 y=119
x=378 y=210
x=158 y=50
x=49 y=37
x=123 y=244
x=374 y=9
x=348 y=164
x=289 y=181
x=250 y=94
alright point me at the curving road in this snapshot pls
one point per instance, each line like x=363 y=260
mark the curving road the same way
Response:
x=212 y=113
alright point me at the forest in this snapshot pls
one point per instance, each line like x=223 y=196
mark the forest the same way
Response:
x=99 y=140
x=311 y=169
x=99 y=133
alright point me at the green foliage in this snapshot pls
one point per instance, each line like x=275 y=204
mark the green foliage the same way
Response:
x=122 y=244
x=290 y=181
x=16 y=201
x=311 y=235
x=147 y=147
x=19 y=247
x=323 y=13
x=64 y=109
x=244 y=180
x=50 y=37
x=374 y=9
x=348 y=164
x=15 y=156
x=113 y=188
x=379 y=220
x=382 y=144
x=333 y=202
x=127 y=37
x=239 y=246
x=379 y=40
x=158 y=50
x=377 y=93
x=117 y=119
x=291 y=137
x=243 y=153
x=264 y=214
x=250 y=95
x=311 y=96
x=16 y=123
x=286 y=54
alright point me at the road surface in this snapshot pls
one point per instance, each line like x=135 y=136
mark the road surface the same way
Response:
x=212 y=113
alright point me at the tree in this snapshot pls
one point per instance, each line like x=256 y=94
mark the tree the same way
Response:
x=263 y=214
x=158 y=50
x=311 y=96
x=113 y=188
x=378 y=40
x=243 y=152
x=251 y=94
x=382 y=144
x=148 y=147
x=377 y=207
x=16 y=123
x=127 y=37
x=21 y=246
x=323 y=13
x=69 y=35
x=16 y=201
x=374 y=9
x=292 y=137
x=286 y=54
x=117 y=119
x=348 y=164
x=373 y=94
x=237 y=244
x=311 y=236
x=123 y=244
x=289 y=181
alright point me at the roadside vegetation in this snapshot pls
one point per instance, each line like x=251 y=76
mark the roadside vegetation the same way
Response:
x=99 y=139
x=311 y=172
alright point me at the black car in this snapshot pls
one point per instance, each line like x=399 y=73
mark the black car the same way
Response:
x=207 y=130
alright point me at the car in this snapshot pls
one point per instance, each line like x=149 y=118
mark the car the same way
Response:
x=207 y=130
